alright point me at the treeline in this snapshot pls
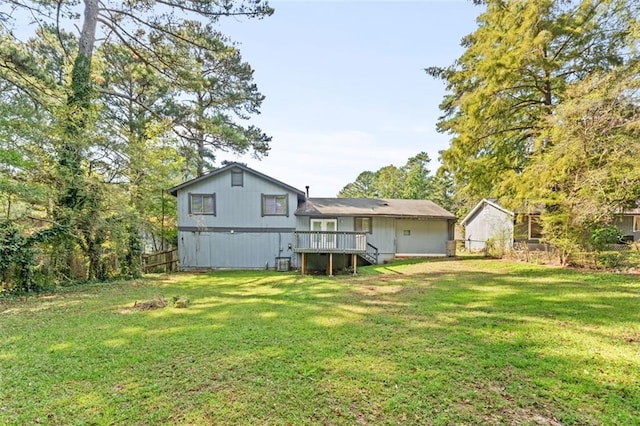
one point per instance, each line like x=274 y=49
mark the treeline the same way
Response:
x=413 y=180
x=543 y=110
x=95 y=127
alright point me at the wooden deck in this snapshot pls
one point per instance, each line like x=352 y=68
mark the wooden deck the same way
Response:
x=354 y=243
x=329 y=242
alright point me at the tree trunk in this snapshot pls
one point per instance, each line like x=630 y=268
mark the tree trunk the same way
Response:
x=71 y=151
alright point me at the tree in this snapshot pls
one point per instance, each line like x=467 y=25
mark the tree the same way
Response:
x=390 y=182
x=363 y=187
x=214 y=101
x=513 y=74
x=152 y=32
x=418 y=184
x=589 y=170
x=411 y=181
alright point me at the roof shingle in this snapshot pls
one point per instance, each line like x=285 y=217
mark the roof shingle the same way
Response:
x=372 y=207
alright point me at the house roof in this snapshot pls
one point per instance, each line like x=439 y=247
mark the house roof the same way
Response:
x=480 y=205
x=174 y=191
x=372 y=207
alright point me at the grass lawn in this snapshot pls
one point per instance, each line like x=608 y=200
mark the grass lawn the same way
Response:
x=439 y=342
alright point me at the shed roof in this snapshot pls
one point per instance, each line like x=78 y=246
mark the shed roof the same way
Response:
x=373 y=207
x=480 y=205
x=174 y=191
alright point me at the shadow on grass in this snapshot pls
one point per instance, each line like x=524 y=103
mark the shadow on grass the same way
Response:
x=471 y=346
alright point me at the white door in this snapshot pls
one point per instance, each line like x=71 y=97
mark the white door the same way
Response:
x=320 y=240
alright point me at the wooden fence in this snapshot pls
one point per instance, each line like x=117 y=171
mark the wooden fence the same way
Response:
x=161 y=261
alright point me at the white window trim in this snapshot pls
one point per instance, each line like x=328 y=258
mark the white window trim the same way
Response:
x=636 y=223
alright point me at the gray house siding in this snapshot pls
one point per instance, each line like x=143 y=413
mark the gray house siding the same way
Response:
x=488 y=223
x=383 y=237
x=238 y=250
x=426 y=237
x=625 y=224
x=237 y=205
x=238 y=235
x=226 y=226
x=422 y=237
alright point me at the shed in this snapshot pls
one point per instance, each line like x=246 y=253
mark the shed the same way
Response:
x=488 y=221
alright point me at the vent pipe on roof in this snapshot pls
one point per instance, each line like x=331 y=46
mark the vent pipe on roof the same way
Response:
x=307 y=188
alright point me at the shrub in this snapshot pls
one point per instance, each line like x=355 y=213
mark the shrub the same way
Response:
x=604 y=235
x=611 y=260
x=17 y=260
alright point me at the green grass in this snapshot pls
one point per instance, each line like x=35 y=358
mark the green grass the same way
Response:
x=468 y=341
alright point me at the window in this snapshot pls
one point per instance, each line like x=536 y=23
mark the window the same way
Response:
x=406 y=232
x=275 y=205
x=636 y=224
x=202 y=204
x=237 y=178
x=535 y=227
x=362 y=224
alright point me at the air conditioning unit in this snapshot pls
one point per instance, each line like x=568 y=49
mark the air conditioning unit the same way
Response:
x=283 y=264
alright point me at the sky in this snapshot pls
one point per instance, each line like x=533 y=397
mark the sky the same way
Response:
x=345 y=85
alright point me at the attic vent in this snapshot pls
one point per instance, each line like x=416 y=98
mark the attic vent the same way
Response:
x=237 y=178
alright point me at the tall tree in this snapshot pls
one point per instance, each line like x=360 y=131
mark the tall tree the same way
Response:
x=514 y=72
x=418 y=184
x=216 y=99
x=590 y=169
x=138 y=26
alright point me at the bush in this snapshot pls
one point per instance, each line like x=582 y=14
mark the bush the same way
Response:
x=602 y=236
x=17 y=260
x=611 y=260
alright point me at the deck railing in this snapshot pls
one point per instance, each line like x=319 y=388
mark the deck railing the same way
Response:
x=330 y=242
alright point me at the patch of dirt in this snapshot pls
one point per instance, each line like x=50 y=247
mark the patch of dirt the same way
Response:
x=147 y=305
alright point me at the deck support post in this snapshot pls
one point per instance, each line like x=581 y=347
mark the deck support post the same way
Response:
x=330 y=264
x=303 y=264
x=354 y=260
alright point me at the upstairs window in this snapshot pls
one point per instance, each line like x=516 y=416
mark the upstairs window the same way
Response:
x=362 y=224
x=202 y=204
x=275 y=205
x=237 y=178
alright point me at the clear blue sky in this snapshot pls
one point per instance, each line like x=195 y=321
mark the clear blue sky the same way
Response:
x=345 y=84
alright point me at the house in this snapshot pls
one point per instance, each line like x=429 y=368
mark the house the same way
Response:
x=628 y=222
x=238 y=218
x=378 y=230
x=490 y=221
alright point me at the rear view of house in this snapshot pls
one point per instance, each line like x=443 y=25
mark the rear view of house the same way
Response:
x=238 y=218
x=377 y=230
